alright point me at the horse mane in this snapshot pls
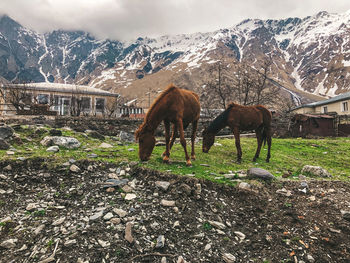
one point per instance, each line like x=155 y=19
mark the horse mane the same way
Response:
x=216 y=124
x=170 y=88
x=144 y=125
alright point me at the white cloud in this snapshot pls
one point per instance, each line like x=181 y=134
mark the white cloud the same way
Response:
x=129 y=19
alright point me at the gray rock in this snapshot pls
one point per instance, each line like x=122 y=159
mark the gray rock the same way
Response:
x=59 y=221
x=96 y=216
x=105 y=145
x=167 y=203
x=95 y=134
x=228 y=258
x=108 y=216
x=315 y=171
x=120 y=212
x=53 y=149
x=128 y=235
x=217 y=224
x=260 y=174
x=4 y=145
x=10 y=243
x=126 y=137
x=73 y=168
x=67 y=142
x=162 y=185
x=160 y=241
x=6 y=132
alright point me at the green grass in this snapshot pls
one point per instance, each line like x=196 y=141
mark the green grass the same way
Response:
x=287 y=155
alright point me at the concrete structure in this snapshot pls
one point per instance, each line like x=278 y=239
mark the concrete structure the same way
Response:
x=339 y=104
x=60 y=97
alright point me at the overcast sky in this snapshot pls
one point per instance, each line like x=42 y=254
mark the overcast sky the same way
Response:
x=129 y=19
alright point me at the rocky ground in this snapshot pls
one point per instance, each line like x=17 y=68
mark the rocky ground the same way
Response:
x=97 y=212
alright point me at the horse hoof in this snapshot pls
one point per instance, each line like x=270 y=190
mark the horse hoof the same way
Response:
x=166 y=159
x=239 y=161
x=188 y=163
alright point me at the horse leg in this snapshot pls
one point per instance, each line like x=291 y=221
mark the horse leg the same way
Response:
x=174 y=136
x=183 y=141
x=238 y=144
x=193 y=137
x=166 y=154
x=268 y=139
x=259 y=137
x=172 y=140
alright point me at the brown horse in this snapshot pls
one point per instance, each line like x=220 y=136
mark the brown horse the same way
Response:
x=241 y=118
x=178 y=106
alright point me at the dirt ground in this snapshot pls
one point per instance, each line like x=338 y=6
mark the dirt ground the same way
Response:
x=56 y=215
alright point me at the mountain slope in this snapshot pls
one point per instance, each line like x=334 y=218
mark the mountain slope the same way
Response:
x=309 y=55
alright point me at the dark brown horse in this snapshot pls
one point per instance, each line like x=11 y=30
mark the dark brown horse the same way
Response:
x=241 y=118
x=178 y=106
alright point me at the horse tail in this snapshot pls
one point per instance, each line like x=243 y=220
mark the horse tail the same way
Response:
x=264 y=135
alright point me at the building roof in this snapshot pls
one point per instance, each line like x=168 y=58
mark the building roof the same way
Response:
x=63 y=88
x=343 y=96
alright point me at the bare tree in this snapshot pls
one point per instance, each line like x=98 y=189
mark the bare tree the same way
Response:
x=113 y=105
x=16 y=95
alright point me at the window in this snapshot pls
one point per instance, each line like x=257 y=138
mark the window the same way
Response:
x=86 y=104
x=100 y=105
x=345 y=106
x=43 y=99
x=325 y=109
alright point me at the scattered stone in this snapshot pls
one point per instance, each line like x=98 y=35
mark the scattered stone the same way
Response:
x=59 y=221
x=129 y=197
x=4 y=145
x=127 y=189
x=310 y=258
x=126 y=137
x=217 y=224
x=115 y=221
x=167 y=203
x=92 y=155
x=160 y=241
x=244 y=186
x=284 y=192
x=240 y=235
x=162 y=185
x=67 y=142
x=207 y=247
x=73 y=168
x=128 y=234
x=96 y=216
x=260 y=173
x=6 y=132
x=103 y=244
x=108 y=216
x=115 y=183
x=105 y=145
x=70 y=243
x=120 y=212
x=8 y=168
x=38 y=230
x=228 y=258
x=180 y=259
x=315 y=171
x=10 y=243
x=346 y=215
x=53 y=149
x=31 y=207
x=10 y=152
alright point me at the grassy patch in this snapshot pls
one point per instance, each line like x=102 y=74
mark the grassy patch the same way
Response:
x=287 y=155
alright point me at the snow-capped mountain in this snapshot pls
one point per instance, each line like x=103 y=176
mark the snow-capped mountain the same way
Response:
x=310 y=54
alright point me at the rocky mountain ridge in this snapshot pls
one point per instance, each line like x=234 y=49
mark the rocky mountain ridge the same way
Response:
x=310 y=55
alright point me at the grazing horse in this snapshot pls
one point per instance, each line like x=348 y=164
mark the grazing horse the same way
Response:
x=241 y=118
x=174 y=105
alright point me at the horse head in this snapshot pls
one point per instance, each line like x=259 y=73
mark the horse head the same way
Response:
x=146 y=142
x=208 y=140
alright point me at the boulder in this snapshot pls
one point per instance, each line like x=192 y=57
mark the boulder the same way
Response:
x=315 y=171
x=126 y=137
x=4 y=145
x=260 y=173
x=6 y=132
x=67 y=142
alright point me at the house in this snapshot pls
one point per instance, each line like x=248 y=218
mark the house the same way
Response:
x=339 y=104
x=65 y=99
